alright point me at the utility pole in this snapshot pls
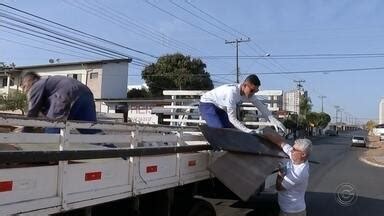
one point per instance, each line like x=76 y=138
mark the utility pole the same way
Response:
x=337 y=110
x=341 y=115
x=322 y=97
x=237 y=41
x=299 y=86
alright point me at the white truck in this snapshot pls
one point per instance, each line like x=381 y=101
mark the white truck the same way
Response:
x=53 y=173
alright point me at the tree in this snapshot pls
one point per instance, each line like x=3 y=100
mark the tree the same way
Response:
x=176 y=71
x=369 y=126
x=324 y=119
x=138 y=93
x=305 y=105
x=291 y=122
x=317 y=120
x=14 y=101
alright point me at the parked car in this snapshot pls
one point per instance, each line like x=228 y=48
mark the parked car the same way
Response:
x=331 y=132
x=358 y=141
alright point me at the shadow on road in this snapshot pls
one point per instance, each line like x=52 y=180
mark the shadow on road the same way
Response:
x=318 y=204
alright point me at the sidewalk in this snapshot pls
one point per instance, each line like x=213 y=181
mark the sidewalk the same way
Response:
x=374 y=156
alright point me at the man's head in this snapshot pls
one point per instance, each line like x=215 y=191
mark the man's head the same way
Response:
x=250 y=86
x=301 y=150
x=28 y=79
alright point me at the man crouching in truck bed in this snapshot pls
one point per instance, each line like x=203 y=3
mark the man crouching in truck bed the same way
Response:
x=58 y=98
x=218 y=106
x=292 y=179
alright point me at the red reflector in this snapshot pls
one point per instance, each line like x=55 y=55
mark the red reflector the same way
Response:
x=151 y=169
x=92 y=176
x=6 y=186
x=192 y=163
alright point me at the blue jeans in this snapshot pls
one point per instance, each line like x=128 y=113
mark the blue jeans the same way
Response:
x=214 y=116
x=83 y=110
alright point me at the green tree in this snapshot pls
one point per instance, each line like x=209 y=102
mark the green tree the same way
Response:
x=320 y=120
x=313 y=119
x=176 y=71
x=14 y=101
x=138 y=93
x=305 y=105
x=324 y=119
x=291 y=122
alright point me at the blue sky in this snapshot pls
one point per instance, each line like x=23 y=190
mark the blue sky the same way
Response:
x=285 y=29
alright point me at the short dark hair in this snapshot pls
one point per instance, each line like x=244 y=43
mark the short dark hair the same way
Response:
x=31 y=74
x=253 y=79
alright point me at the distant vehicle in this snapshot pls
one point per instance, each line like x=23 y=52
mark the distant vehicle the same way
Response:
x=331 y=132
x=378 y=130
x=358 y=141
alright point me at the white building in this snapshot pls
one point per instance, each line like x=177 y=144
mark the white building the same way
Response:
x=291 y=100
x=272 y=98
x=105 y=78
x=381 y=111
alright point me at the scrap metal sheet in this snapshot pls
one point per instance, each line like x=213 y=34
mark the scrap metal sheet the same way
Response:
x=249 y=160
x=231 y=139
x=243 y=174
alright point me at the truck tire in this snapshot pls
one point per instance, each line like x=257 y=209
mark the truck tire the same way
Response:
x=202 y=208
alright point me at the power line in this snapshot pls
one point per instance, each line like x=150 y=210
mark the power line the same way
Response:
x=187 y=22
x=237 y=41
x=122 y=21
x=349 y=70
x=150 y=29
x=205 y=20
x=61 y=36
x=56 y=41
x=212 y=17
x=48 y=44
x=93 y=36
x=49 y=50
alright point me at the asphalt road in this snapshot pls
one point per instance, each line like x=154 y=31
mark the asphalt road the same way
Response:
x=340 y=185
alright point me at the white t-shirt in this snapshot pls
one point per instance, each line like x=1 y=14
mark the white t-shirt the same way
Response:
x=227 y=97
x=291 y=200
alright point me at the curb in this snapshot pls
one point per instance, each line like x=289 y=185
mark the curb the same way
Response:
x=362 y=159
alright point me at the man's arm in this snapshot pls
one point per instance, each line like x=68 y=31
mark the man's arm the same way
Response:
x=272 y=136
x=231 y=112
x=35 y=99
x=266 y=114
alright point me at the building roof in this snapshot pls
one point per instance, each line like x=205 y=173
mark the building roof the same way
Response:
x=75 y=63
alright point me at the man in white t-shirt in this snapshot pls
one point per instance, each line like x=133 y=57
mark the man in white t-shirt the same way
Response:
x=218 y=107
x=292 y=180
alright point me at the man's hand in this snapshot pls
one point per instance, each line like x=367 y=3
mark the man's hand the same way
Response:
x=277 y=124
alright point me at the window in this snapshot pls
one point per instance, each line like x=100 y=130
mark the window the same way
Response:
x=75 y=76
x=3 y=82
x=93 y=75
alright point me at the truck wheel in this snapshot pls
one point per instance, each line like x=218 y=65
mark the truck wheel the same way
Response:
x=202 y=208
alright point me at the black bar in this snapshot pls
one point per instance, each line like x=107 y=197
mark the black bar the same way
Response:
x=54 y=156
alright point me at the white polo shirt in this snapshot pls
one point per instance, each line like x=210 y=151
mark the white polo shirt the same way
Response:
x=227 y=97
x=291 y=200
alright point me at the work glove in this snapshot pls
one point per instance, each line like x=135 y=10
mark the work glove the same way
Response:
x=277 y=124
